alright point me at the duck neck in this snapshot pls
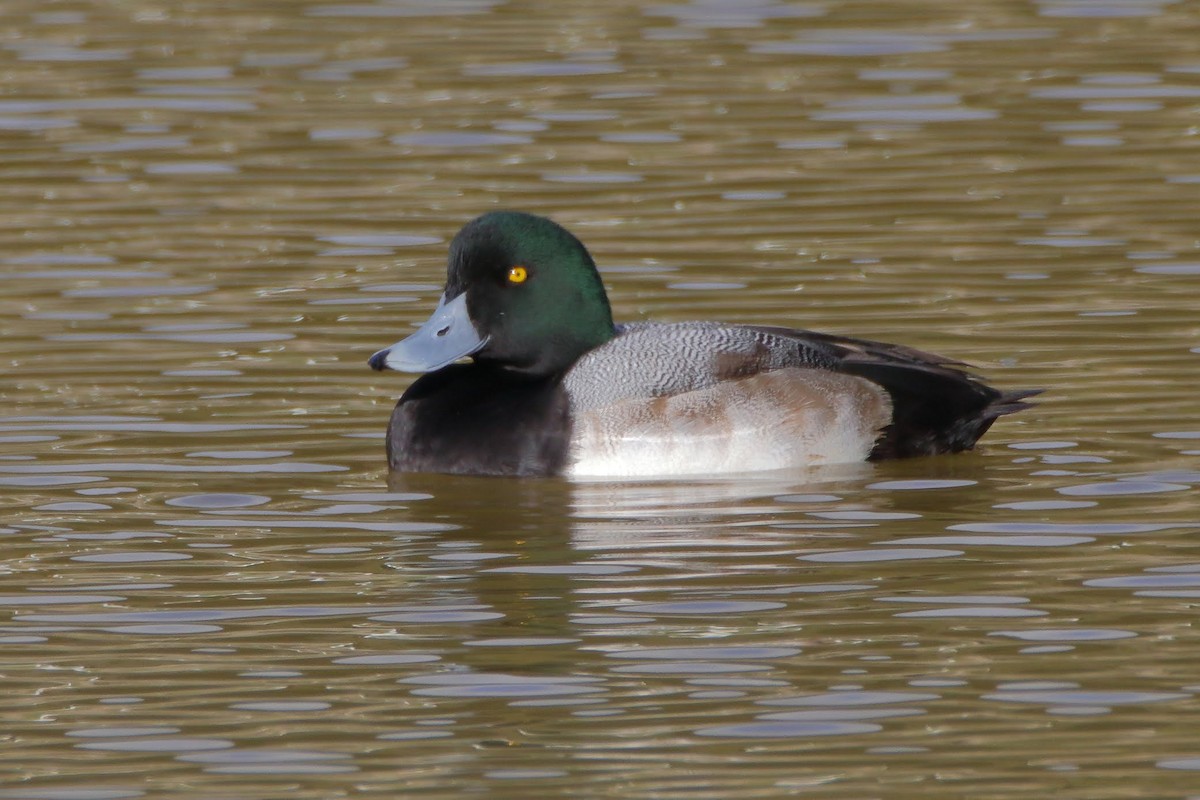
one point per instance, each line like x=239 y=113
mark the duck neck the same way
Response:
x=589 y=323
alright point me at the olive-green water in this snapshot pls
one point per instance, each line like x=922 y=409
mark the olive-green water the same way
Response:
x=212 y=213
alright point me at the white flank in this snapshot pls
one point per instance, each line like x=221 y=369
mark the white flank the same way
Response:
x=776 y=420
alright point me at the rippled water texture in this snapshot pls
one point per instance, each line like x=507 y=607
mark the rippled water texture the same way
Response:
x=212 y=213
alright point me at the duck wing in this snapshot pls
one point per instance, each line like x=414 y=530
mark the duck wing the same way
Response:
x=938 y=405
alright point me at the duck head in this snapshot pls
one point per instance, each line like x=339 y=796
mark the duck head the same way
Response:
x=521 y=293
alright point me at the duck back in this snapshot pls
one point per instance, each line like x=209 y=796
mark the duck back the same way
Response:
x=934 y=405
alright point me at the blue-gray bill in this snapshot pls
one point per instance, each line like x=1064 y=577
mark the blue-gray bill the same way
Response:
x=446 y=336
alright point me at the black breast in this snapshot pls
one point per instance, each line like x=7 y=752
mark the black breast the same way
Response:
x=475 y=419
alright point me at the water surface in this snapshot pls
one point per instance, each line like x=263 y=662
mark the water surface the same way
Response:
x=212 y=214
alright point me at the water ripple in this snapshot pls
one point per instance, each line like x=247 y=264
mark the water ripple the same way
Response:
x=497 y=685
x=882 y=554
x=789 y=729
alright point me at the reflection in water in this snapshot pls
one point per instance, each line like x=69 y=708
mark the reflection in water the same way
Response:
x=563 y=605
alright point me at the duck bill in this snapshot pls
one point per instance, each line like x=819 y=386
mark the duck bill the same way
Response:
x=446 y=336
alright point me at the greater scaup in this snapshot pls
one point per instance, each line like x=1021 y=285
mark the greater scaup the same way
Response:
x=554 y=387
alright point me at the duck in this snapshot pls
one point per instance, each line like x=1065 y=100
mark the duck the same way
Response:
x=524 y=373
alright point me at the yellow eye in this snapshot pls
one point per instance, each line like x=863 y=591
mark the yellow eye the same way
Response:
x=517 y=275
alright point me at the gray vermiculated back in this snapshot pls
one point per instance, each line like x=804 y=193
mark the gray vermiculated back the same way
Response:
x=649 y=359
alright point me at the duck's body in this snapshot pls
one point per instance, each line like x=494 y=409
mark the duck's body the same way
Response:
x=555 y=388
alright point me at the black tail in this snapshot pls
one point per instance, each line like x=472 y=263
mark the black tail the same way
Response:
x=936 y=409
x=1011 y=402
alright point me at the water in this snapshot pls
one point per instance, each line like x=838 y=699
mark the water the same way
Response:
x=212 y=215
